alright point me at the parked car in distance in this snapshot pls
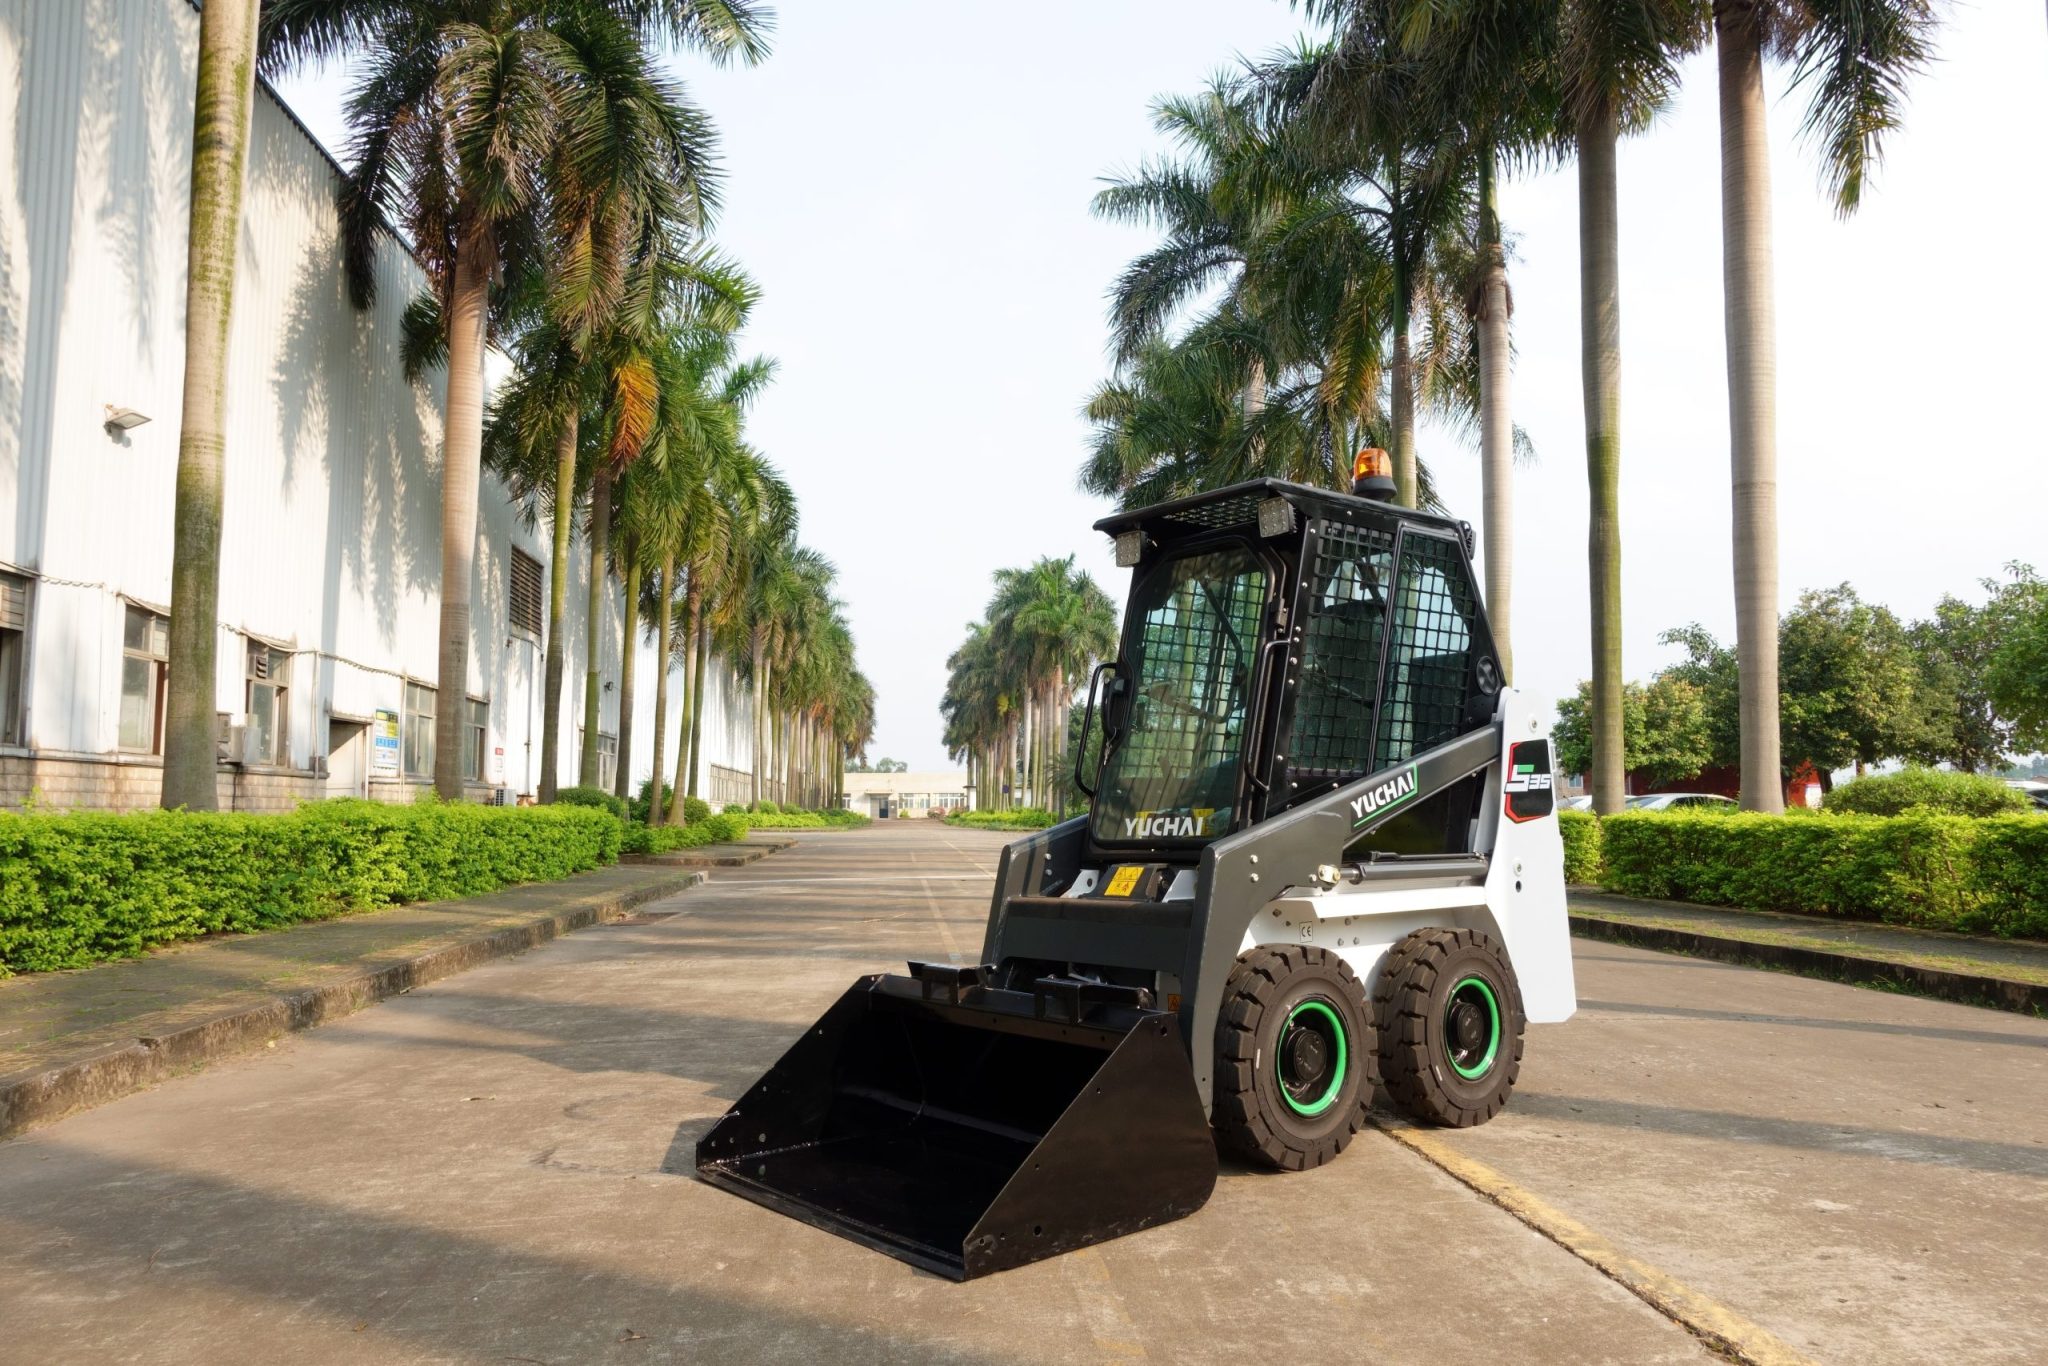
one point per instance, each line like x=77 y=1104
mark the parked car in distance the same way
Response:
x=2035 y=792
x=1579 y=803
x=1681 y=801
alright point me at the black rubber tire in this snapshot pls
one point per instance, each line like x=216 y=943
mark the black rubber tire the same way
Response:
x=1411 y=1004
x=1252 y=1118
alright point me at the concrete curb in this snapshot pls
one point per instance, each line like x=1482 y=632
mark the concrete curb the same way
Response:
x=32 y=1098
x=1966 y=988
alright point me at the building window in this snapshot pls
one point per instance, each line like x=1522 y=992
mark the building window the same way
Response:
x=419 y=731
x=525 y=591
x=145 y=651
x=607 y=760
x=478 y=740
x=267 y=671
x=13 y=650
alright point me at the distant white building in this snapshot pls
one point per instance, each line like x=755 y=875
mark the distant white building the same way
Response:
x=329 y=600
x=889 y=796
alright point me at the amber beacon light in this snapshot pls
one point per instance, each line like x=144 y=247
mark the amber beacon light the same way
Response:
x=1372 y=475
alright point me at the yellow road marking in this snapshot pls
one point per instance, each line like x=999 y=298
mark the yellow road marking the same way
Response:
x=1703 y=1316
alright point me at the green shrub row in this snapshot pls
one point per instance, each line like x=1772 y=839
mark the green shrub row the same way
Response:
x=1016 y=818
x=1925 y=790
x=1581 y=846
x=792 y=818
x=1978 y=875
x=82 y=887
x=660 y=839
x=593 y=796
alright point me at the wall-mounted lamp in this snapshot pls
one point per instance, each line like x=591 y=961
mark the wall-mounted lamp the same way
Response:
x=124 y=419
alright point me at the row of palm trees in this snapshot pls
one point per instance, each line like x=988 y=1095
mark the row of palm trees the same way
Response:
x=1011 y=684
x=556 y=186
x=1331 y=265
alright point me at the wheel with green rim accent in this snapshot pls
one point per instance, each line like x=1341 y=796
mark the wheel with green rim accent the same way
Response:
x=1294 y=1058
x=1449 y=1019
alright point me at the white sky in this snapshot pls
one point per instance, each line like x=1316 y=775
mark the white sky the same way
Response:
x=910 y=183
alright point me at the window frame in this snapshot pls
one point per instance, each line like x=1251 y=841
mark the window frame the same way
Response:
x=1258 y=555
x=607 y=760
x=515 y=595
x=476 y=725
x=277 y=682
x=14 y=628
x=159 y=673
x=414 y=738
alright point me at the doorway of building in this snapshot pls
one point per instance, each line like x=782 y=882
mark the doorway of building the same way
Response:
x=348 y=755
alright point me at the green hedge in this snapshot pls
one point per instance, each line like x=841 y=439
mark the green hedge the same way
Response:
x=81 y=887
x=593 y=796
x=1581 y=831
x=1016 y=818
x=1978 y=875
x=791 y=818
x=1926 y=790
x=660 y=839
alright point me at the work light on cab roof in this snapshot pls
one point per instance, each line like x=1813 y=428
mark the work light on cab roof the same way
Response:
x=1372 y=475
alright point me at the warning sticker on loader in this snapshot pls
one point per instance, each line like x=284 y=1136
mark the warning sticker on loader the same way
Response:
x=1124 y=880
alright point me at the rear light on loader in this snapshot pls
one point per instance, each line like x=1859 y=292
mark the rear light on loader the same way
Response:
x=1130 y=548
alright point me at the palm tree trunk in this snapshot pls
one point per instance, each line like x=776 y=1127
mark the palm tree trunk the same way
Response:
x=1024 y=766
x=558 y=609
x=600 y=545
x=622 y=779
x=1750 y=317
x=220 y=149
x=1600 y=365
x=1405 y=480
x=691 y=600
x=1496 y=425
x=760 y=708
x=462 y=443
x=697 y=708
x=664 y=587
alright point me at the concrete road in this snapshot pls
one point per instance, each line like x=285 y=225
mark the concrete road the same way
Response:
x=488 y=1170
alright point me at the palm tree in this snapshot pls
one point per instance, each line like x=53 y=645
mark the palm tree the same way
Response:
x=1854 y=58
x=1286 y=373
x=1615 y=66
x=571 y=338
x=464 y=109
x=1487 y=70
x=220 y=145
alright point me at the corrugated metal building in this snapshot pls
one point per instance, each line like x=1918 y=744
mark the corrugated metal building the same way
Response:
x=330 y=558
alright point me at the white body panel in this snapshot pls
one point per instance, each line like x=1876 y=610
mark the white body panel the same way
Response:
x=1521 y=902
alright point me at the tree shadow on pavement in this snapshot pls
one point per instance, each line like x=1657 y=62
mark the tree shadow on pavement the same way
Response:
x=1809 y=1022
x=245 y=1261
x=1848 y=1140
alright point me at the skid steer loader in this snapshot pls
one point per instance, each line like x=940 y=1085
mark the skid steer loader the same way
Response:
x=1321 y=857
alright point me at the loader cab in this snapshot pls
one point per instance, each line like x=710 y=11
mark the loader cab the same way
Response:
x=1281 y=641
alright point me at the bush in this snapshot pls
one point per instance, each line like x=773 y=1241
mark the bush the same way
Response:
x=764 y=808
x=1581 y=830
x=728 y=828
x=795 y=818
x=696 y=811
x=1977 y=875
x=1017 y=818
x=1925 y=789
x=592 y=796
x=660 y=839
x=82 y=887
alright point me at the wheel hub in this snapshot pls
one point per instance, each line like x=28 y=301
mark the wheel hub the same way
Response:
x=1472 y=1027
x=1311 y=1057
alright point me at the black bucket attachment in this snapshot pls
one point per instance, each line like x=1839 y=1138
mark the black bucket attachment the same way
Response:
x=967 y=1129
